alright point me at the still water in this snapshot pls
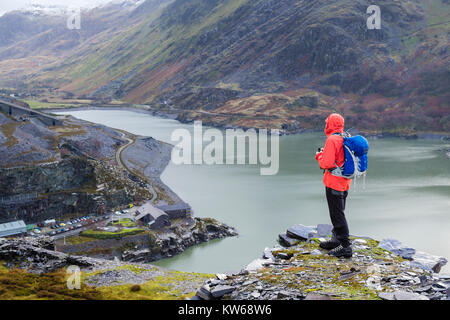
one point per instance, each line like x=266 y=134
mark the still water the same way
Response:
x=407 y=194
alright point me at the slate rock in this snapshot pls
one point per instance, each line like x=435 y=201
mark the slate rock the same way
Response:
x=284 y=256
x=324 y=230
x=397 y=248
x=405 y=295
x=221 y=276
x=427 y=261
x=386 y=295
x=267 y=254
x=204 y=293
x=300 y=231
x=287 y=241
x=221 y=290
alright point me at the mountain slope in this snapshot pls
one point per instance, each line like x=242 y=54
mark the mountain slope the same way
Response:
x=266 y=63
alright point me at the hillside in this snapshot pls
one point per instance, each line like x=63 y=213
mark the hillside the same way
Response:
x=262 y=63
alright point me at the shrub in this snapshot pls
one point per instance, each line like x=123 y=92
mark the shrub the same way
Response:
x=135 y=288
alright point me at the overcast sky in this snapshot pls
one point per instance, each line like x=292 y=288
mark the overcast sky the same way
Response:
x=8 y=5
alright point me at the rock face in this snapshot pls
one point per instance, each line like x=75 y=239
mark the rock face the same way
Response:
x=303 y=271
x=47 y=172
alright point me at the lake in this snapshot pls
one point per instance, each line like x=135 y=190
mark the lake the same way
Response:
x=406 y=195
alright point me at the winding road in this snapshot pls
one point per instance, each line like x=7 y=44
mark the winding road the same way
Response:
x=120 y=161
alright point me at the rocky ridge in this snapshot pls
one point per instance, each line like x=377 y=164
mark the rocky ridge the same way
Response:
x=298 y=269
x=178 y=238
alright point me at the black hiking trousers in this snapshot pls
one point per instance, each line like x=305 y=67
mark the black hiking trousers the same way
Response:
x=336 y=205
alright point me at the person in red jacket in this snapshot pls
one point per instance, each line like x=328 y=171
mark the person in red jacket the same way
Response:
x=336 y=188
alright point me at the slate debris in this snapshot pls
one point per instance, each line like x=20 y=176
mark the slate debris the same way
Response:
x=387 y=277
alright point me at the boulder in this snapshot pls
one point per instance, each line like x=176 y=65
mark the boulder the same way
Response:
x=204 y=293
x=287 y=241
x=221 y=290
x=301 y=232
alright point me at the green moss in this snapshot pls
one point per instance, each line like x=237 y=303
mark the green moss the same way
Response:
x=111 y=235
x=18 y=284
x=78 y=240
x=128 y=223
x=133 y=268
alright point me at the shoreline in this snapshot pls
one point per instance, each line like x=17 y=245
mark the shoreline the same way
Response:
x=420 y=135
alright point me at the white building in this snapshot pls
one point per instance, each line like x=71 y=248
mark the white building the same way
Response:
x=12 y=228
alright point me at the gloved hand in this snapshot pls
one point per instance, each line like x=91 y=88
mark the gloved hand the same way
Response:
x=318 y=155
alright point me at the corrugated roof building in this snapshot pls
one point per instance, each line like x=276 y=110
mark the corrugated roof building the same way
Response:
x=176 y=211
x=154 y=217
x=12 y=228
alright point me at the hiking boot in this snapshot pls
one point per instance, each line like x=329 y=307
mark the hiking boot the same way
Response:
x=330 y=244
x=340 y=251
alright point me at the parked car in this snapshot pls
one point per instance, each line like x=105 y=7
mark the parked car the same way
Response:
x=52 y=233
x=79 y=225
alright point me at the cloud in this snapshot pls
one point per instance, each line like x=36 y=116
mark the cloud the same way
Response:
x=8 y=5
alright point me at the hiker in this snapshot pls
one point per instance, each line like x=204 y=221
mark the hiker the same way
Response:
x=336 y=188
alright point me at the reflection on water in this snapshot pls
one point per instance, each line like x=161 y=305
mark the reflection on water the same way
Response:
x=406 y=195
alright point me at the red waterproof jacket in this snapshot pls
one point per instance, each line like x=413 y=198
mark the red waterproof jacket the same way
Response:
x=333 y=153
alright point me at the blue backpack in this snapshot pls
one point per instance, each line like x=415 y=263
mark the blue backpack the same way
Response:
x=355 y=150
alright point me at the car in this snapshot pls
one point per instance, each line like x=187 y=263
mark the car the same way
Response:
x=68 y=223
x=126 y=211
x=52 y=233
x=62 y=225
x=79 y=225
x=37 y=231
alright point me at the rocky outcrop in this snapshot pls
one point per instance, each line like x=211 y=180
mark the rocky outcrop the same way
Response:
x=300 y=270
x=32 y=255
x=48 y=172
x=178 y=238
